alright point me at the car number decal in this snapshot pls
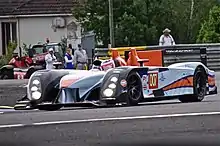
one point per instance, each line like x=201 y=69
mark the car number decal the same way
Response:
x=153 y=80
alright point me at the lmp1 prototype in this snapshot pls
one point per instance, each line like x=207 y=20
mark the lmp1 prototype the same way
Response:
x=123 y=83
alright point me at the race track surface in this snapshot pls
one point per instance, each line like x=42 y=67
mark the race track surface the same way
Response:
x=11 y=90
x=159 y=123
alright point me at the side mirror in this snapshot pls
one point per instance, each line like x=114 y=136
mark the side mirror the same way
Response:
x=142 y=61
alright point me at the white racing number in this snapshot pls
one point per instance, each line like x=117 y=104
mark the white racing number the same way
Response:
x=153 y=80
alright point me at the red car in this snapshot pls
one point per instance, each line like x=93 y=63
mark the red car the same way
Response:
x=23 y=67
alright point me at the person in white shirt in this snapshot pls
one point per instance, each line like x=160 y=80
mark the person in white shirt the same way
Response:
x=50 y=59
x=166 y=39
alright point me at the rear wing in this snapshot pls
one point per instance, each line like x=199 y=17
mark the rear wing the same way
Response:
x=166 y=57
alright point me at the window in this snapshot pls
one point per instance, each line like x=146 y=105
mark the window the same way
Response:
x=9 y=33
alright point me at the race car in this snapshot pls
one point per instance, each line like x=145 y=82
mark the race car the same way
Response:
x=124 y=83
x=19 y=68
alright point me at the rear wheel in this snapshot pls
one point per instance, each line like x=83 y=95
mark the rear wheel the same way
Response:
x=134 y=89
x=29 y=73
x=199 y=87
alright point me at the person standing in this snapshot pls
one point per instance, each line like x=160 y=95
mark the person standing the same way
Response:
x=68 y=59
x=50 y=59
x=47 y=41
x=166 y=39
x=71 y=48
x=80 y=58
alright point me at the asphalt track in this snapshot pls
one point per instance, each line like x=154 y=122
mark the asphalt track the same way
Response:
x=160 y=123
x=11 y=90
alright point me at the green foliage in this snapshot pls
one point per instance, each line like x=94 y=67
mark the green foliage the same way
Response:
x=141 y=22
x=210 y=30
x=6 y=58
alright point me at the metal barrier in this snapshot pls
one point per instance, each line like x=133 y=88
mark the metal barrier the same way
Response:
x=209 y=54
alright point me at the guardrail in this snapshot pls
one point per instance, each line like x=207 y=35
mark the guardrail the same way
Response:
x=209 y=54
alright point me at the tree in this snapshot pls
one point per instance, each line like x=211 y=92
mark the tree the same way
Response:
x=141 y=22
x=93 y=15
x=210 y=30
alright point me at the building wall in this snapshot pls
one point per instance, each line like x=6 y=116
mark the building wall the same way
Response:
x=4 y=20
x=0 y=38
x=37 y=29
x=31 y=30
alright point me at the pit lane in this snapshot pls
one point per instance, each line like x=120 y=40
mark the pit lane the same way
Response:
x=166 y=122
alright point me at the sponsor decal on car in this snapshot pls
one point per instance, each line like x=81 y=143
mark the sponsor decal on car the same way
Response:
x=144 y=82
x=162 y=78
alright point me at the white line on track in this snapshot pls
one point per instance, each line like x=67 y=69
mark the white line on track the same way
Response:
x=13 y=125
x=1 y=112
x=110 y=119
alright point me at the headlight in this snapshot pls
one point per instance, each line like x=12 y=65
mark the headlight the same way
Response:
x=112 y=86
x=34 y=88
x=114 y=79
x=108 y=92
x=36 y=82
x=36 y=95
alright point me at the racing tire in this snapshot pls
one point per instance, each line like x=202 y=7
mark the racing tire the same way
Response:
x=29 y=73
x=134 y=93
x=199 y=87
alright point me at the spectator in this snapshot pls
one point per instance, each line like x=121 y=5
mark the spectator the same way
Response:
x=166 y=39
x=80 y=58
x=47 y=41
x=68 y=59
x=71 y=48
x=50 y=59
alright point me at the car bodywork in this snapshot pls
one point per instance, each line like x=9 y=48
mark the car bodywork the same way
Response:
x=81 y=87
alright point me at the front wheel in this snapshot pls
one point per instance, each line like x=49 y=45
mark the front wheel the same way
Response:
x=134 y=89
x=199 y=87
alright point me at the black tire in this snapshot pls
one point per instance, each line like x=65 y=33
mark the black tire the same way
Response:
x=134 y=93
x=29 y=73
x=7 y=74
x=199 y=87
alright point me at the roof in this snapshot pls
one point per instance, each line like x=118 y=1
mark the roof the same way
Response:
x=34 y=7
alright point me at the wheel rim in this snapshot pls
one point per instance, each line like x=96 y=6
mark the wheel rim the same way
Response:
x=134 y=87
x=200 y=87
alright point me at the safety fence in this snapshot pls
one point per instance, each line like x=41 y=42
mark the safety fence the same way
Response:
x=209 y=54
